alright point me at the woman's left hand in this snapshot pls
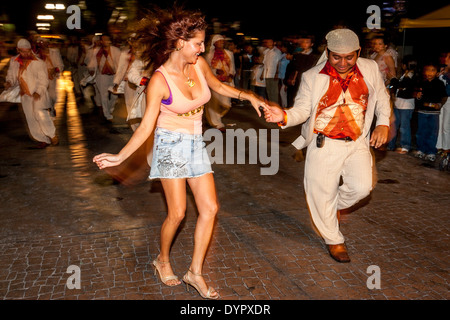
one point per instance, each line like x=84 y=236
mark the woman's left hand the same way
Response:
x=106 y=160
x=257 y=103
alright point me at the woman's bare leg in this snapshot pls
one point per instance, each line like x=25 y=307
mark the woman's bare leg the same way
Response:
x=204 y=191
x=175 y=193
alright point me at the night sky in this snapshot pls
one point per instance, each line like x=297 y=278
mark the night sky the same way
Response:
x=260 y=19
x=256 y=16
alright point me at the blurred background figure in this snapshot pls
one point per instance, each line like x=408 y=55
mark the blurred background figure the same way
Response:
x=222 y=64
x=74 y=53
x=386 y=58
x=443 y=141
x=404 y=106
x=29 y=74
x=430 y=98
x=286 y=57
x=51 y=55
x=303 y=59
x=104 y=63
x=131 y=82
x=258 y=82
x=246 y=58
x=272 y=56
x=88 y=78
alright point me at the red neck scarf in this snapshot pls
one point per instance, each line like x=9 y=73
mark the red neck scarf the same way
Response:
x=330 y=71
x=107 y=69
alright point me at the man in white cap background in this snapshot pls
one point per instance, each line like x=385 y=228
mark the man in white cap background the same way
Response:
x=30 y=73
x=222 y=64
x=336 y=104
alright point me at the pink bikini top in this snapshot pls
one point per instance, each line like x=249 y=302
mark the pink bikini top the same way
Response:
x=179 y=113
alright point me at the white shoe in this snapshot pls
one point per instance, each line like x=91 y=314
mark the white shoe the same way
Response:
x=419 y=154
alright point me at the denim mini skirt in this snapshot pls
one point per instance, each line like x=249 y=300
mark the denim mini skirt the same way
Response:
x=178 y=155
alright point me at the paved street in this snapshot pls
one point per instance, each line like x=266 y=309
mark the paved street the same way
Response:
x=58 y=210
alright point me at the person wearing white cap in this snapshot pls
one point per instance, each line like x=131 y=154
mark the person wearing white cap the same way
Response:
x=336 y=104
x=222 y=64
x=30 y=73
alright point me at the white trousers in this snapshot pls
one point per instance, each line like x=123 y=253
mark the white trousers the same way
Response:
x=216 y=108
x=323 y=169
x=443 y=141
x=52 y=92
x=108 y=99
x=283 y=95
x=40 y=124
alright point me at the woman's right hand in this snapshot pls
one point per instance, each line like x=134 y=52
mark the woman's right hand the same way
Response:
x=106 y=160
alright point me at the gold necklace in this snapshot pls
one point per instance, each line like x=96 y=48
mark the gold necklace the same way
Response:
x=189 y=81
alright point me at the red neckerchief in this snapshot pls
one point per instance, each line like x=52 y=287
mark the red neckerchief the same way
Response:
x=330 y=71
x=23 y=65
x=101 y=52
x=21 y=61
x=220 y=56
x=107 y=69
x=359 y=94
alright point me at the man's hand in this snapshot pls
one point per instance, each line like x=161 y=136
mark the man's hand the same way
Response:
x=274 y=113
x=36 y=96
x=379 y=136
x=8 y=85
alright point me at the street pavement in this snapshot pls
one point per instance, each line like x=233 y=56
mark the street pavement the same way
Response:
x=70 y=231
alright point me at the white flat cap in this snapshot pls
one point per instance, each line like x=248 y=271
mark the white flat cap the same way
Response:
x=23 y=44
x=342 y=41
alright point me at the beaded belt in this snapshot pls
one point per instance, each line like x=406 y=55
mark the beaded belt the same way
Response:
x=191 y=113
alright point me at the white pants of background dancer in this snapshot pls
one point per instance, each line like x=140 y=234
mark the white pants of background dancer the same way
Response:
x=52 y=93
x=38 y=118
x=108 y=99
x=323 y=169
x=443 y=141
x=132 y=112
x=217 y=107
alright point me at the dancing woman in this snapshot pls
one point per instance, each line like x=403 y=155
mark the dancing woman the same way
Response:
x=179 y=87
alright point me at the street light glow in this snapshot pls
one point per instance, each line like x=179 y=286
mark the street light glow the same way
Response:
x=45 y=17
x=51 y=6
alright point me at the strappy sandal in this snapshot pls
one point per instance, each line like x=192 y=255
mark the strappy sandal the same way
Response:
x=156 y=264
x=195 y=286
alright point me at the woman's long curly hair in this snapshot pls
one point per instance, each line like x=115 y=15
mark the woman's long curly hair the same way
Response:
x=158 y=32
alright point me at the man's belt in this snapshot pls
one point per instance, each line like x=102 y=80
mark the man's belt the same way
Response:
x=320 y=141
x=346 y=139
